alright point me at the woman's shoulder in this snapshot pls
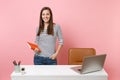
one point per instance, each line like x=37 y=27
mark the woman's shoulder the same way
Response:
x=56 y=25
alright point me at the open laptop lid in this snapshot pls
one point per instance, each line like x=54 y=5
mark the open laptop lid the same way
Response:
x=93 y=63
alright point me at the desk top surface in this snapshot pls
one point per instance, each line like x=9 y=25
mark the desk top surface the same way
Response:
x=55 y=70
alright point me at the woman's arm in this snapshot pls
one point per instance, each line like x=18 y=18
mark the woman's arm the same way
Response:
x=60 y=42
x=54 y=56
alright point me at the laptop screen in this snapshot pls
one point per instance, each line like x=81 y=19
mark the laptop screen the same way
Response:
x=91 y=64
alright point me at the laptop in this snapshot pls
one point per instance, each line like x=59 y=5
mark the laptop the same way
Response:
x=91 y=64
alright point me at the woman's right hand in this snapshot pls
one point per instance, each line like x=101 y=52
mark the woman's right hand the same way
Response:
x=37 y=50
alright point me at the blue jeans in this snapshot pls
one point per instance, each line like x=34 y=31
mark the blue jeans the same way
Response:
x=39 y=60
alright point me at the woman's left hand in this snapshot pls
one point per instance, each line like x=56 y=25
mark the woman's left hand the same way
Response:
x=53 y=57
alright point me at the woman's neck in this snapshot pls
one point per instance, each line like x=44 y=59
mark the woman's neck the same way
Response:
x=46 y=25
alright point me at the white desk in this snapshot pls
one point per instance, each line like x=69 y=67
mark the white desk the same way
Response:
x=56 y=72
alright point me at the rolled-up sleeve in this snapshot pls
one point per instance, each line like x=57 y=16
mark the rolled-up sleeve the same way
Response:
x=60 y=37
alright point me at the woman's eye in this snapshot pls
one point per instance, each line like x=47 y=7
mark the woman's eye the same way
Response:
x=47 y=14
x=43 y=14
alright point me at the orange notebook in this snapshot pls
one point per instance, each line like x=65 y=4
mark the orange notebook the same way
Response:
x=32 y=46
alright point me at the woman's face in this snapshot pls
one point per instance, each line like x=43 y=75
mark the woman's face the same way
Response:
x=46 y=16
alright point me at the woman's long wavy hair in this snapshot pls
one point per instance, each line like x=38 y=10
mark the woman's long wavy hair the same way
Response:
x=50 y=30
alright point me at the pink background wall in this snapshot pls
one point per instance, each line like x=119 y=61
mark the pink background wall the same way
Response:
x=84 y=23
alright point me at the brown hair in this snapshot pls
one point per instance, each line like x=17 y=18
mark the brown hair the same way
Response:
x=41 y=22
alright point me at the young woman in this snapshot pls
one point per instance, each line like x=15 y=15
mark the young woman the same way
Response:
x=46 y=36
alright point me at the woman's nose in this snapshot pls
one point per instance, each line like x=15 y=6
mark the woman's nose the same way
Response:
x=45 y=15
